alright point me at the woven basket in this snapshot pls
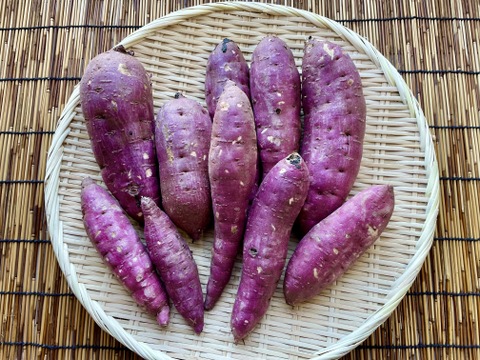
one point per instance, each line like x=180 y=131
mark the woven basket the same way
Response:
x=398 y=150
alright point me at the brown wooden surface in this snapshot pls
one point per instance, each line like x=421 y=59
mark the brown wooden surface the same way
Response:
x=44 y=48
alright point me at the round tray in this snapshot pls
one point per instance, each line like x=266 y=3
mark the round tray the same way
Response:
x=398 y=150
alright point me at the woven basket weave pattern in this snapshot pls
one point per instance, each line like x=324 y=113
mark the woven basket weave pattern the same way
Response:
x=397 y=151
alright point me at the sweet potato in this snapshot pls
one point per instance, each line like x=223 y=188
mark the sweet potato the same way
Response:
x=174 y=262
x=119 y=245
x=334 y=128
x=276 y=100
x=225 y=62
x=232 y=168
x=182 y=137
x=333 y=245
x=270 y=221
x=117 y=103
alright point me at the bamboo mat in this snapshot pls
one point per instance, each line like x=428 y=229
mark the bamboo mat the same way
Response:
x=45 y=46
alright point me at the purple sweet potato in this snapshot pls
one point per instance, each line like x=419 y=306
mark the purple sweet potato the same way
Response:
x=332 y=246
x=174 y=262
x=276 y=100
x=232 y=169
x=119 y=245
x=273 y=212
x=334 y=128
x=182 y=136
x=225 y=62
x=117 y=103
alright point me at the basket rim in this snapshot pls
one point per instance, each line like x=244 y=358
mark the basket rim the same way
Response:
x=403 y=283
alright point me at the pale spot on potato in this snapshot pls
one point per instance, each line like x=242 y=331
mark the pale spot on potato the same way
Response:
x=273 y=227
x=347 y=236
x=281 y=103
x=279 y=94
x=372 y=231
x=119 y=249
x=283 y=171
x=259 y=269
x=237 y=141
x=329 y=51
x=274 y=140
x=350 y=82
x=242 y=183
x=204 y=157
x=290 y=201
x=315 y=273
x=148 y=173
x=145 y=156
x=193 y=153
x=264 y=131
x=226 y=171
x=239 y=105
x=122 y=68
x=234 y=229
x=224 y=106
x=97 y=234
x=139 y=214
x=114 y=105
x=335 y=251
x=139 y=278
x=217 y=215
x=149 y=292
x=227 y=67
x=170 y=154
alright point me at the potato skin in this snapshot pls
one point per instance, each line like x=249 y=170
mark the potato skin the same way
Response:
x=117 y=241
x=232 y=169
x=334 y=128
x=225 y=62
x=174 y=262
x=333 y=245
x=270 y=221
x=182 y=137
x=276 y=100
x=117 y=103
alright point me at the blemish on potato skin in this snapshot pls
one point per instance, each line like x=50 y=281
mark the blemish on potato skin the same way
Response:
x=224 y=106
x=315 y=273
x=122 y=68
x=329 y=51
x=148 y=173
x=234 y=229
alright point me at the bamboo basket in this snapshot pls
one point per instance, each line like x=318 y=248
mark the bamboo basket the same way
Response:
x=398 y=150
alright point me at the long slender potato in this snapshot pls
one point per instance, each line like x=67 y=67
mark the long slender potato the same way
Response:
x=333 y=245
x=334 y=128
x=270 y=221
x=119 y=245
x=232 y=169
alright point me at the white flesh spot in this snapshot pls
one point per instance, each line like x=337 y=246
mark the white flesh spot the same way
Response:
x=329 y=51
x=122 y=68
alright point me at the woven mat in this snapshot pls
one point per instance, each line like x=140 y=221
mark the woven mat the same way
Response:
x=45 y=47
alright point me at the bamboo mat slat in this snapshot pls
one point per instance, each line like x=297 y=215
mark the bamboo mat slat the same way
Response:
x=45 y=46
